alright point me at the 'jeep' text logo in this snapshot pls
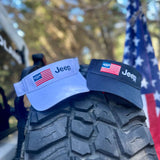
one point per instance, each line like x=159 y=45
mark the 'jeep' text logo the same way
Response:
x=61 y=69
x=128 y=74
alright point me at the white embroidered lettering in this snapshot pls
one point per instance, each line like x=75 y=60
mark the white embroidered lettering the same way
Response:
x=130 y=75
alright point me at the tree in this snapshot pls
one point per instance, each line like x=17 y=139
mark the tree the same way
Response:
x=65 y=28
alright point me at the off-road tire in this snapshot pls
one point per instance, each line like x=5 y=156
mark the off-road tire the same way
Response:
x=88 y=126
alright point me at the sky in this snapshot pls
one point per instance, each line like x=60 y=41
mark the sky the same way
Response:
x=152 y=10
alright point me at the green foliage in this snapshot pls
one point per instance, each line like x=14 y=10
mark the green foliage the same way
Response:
x=53 y=28
x=50 y=28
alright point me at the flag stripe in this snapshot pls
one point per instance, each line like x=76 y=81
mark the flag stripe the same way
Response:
x=154 y=121
x=145 y=108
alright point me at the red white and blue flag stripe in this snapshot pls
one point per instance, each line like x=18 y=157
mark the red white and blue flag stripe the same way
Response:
x=43 y=77
x=139 y=53
x=110 y=68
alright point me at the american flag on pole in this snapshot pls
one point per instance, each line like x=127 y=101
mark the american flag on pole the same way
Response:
x=139 y=53
x=42 y=77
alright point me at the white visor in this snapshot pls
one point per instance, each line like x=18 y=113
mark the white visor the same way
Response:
x=51 y=84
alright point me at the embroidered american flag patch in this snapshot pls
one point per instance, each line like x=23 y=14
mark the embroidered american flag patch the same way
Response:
x=110 y=68
x=43 y=77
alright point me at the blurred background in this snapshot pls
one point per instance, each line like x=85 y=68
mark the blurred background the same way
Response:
x=62 y=29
